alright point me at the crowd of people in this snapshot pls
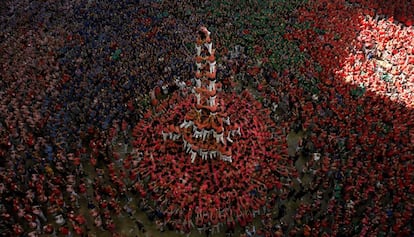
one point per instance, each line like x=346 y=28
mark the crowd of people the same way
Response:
x=213 y=193
x=75 y=81
x=358 y=115
x=71 y=80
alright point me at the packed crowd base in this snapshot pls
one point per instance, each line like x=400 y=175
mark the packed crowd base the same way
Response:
x=76 y=77
x=208 y=194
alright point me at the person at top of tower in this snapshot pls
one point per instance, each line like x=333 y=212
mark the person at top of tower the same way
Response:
x=205 y=35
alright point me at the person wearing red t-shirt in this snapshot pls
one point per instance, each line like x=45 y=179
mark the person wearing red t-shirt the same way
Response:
x=64 y=230
x=78 y=230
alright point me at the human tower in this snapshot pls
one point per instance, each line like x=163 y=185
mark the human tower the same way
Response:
x=206 y=131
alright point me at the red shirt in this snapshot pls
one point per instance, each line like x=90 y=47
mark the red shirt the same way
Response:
x=78 y=230
x=64 y=230
x=80 y=219
x=82 y=188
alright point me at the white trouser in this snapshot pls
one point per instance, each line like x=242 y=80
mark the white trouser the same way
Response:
x=204 y=155
x=212 y=101
x=188 y=150
x=198 y=66
x=205 y=134
x=176 y=136
x=193 y=156
x=209 y=47
x=226 y=158
x=228 y=138
x=226 y=120
x=198 y=96
x=198 y=49
x=212 y=66
x=212 y=85
x=274 y=106
x=198 y=82
x=238 y=132
x=212 y=154
x=186 y=124
x=183 y=124
x=180 y=84
x=165 y=89
x=189 y=124
x=164 y=135
x=219 y=137
x=197 y=134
